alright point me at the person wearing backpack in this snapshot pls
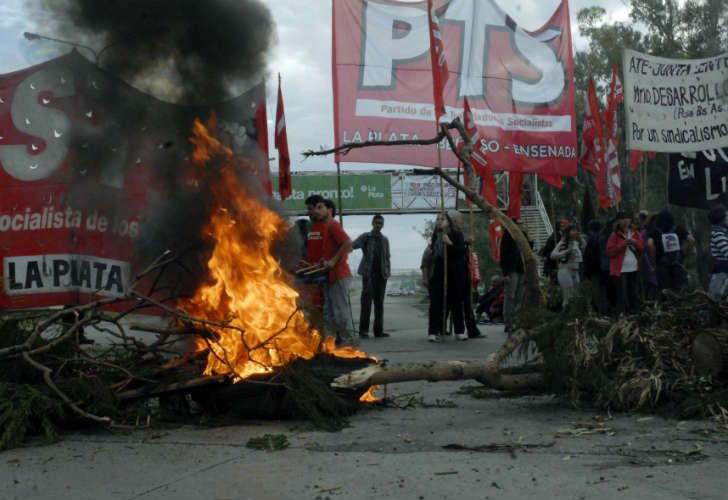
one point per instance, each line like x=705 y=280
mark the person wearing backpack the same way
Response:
x=665 y=244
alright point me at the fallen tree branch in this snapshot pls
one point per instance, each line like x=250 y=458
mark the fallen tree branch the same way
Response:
x=487 y=372
x=49 y=382
x=434 y=371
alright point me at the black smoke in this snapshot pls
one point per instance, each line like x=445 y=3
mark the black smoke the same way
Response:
x=205 y=47
x=206 y=52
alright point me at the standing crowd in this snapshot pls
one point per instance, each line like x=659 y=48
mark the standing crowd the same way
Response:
x=631 y=259
x=627 y=260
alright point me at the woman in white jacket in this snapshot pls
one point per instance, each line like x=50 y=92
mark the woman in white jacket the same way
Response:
x=568 y=254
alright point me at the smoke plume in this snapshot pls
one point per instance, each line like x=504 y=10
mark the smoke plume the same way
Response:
x=195 y=50
x=197 y=54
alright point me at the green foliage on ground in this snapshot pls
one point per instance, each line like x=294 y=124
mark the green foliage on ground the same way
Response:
x=27 y=410
x=639 y=362
x=268 y=442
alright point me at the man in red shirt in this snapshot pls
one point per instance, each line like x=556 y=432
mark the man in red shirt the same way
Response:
x=310 y=285
x=336 y=246
x=317 y=231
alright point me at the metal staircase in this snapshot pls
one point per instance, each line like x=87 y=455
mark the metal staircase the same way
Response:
x=533 y=210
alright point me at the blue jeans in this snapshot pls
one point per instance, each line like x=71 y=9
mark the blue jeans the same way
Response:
x=337 y=311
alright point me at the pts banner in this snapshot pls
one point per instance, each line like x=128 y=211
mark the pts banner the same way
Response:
x=519 y=84
x=87 y=167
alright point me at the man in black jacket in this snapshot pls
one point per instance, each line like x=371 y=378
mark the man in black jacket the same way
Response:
x=593 y=270
x=374 y=269
x=511 y=265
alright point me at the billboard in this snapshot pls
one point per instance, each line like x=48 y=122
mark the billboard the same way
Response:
x=359 y=191
x=519 y=84
x=400 y=191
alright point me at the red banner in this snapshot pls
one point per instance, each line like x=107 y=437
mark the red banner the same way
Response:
x=519 y=83
x=88 y=165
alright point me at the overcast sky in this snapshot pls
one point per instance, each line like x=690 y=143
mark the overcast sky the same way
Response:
x=302 y=55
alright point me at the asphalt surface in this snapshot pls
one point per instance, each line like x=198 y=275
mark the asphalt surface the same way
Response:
x=433 y=441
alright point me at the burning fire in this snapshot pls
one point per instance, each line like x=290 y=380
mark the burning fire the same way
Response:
x=261 y=327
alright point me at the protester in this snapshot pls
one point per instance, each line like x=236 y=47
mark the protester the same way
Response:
x=592 y=268
x=718 y=252
x=623 y=249
x=310 y=281
x=374 y=269
x=647 y=267
x=511 y=265
x=334 y=251
x=490 y=304
x=471 y=325
x=316 y=231
x=568 y=255
x=448 y=249
x=292 y=251
x=665 y=244
x=426 y=266
x=549 y=265
x=609 y=283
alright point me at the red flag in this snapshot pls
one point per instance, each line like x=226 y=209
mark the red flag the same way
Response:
x=636 y=156
x=488 y=189
x=611 y=176
x=592 y=136
x=515 y=191
x=635 y=159
x=439 y=63
x=611 y=192
x=614 y=99
x=281 y=144
x=554 y=180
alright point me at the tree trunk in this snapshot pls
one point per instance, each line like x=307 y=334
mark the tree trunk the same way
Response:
x=487 y=372
x=434 y=371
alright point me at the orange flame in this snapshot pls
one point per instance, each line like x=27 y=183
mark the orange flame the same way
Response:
x=369 y=397
x=247 y=291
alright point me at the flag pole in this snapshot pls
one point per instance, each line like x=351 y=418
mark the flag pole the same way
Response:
x=338 y=193
x=444 y=247
x=643 y=180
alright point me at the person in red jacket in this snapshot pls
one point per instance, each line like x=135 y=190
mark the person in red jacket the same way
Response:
x=624 y=247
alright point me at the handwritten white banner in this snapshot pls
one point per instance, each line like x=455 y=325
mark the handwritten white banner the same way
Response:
x=675 y=105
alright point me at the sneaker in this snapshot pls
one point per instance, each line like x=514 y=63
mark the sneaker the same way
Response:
x=434 y=338
x=363 y=335
x=461 y=336
x=383 y=334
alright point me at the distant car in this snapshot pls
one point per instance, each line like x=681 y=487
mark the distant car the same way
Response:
x=394 y=293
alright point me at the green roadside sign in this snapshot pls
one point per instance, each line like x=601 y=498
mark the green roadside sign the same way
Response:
x=358 y=191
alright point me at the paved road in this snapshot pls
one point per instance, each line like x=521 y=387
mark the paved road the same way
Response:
x=520 y=448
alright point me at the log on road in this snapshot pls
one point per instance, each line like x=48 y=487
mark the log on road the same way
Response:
x=487 y=372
